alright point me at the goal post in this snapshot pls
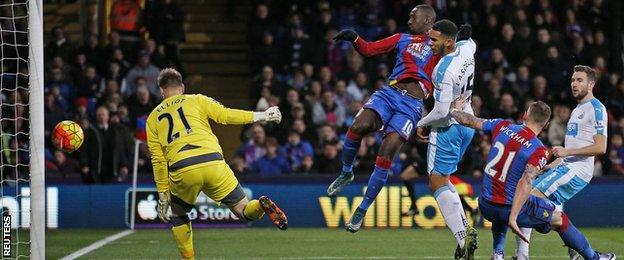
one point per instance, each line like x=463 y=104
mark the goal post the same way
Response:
x=36 y=145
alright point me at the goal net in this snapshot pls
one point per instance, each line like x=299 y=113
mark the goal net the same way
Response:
x=21 y=132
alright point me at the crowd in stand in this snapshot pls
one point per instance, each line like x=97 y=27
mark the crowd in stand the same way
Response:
x=109 y=88
x=526 y=51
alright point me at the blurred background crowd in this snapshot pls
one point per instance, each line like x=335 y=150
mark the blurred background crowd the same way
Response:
x=526 y=51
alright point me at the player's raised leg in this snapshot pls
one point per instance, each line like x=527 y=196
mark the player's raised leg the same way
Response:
x=237 y=201
x=389 y=147
x=367 y=121
x=255 y=209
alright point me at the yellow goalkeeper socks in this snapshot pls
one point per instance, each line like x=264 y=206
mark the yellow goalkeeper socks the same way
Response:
x=183 y=235
x=253 y=210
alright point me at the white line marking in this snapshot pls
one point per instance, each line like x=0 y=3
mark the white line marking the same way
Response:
x=96 y=245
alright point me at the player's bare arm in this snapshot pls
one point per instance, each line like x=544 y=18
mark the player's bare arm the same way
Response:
x=552 y=164
x=598 y=148
x=523 y=190
x=467 y=119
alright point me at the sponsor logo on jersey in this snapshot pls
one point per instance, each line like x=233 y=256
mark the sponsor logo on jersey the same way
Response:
x=418 y=49
x=572 y=129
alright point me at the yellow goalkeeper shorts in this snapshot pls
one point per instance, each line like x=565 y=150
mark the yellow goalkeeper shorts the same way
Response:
x=215 y=179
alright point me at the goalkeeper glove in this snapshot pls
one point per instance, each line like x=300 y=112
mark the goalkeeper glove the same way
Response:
x=272 y=114
x=346 y=35
x=163 y=206
x=464 y=33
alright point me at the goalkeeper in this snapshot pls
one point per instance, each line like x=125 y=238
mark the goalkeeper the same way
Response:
x=187 y=158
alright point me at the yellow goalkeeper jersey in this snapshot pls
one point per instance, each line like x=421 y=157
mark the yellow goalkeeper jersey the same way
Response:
x=179 y=135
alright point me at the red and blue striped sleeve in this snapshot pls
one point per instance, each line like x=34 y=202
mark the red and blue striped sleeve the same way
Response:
x=382 y=46
x=494 y=125
x=539 y=158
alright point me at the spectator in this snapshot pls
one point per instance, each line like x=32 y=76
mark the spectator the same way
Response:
x=126 y=17
x=93 y=51
x=328 y=161
x=59 y=45
x=327 y=134
x=508 y=109
x=616 y=155
x=366 y=155
x=558 y=125
x=296 y=150
x=266 y=79
x=166 y=26
x=115 y=147
x=306 y=134
x=271 y=164
x=90 y=153
x=254 y=148
x=267 y=53
x=119 y=58
x=328 y=111
x=60 y=88
x=61 y=166
x=307 y=166
x=89 y=83
x=114 y=43
x=114 y=73
x=140 y=106
x=146 y=70
x=157 y=54
x=260 y=24
x=53 y=115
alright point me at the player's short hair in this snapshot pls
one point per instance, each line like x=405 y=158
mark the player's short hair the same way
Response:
x=169 y=77
x=428 y=10
x=446 y=28
x=539 y=112
x=591 y=73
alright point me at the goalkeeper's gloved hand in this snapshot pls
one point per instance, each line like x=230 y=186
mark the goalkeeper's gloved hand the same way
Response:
x=465 y=32
x=272 y=114
x=164 y=200
x=346 y=35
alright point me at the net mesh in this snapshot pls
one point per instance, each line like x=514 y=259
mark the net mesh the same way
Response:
x=14 y=121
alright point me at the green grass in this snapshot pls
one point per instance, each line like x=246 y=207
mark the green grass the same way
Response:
x=310 y=243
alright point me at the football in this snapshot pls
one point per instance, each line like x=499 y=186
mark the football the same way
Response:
x=67 y=136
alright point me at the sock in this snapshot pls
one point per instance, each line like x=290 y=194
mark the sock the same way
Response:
x=574 y=239
x=499 y=232
x=412 y=193
x=522 y=249
x=452 y=211
x=376 y=181
x=350 y=148
x=253 y=211
x=183 y=235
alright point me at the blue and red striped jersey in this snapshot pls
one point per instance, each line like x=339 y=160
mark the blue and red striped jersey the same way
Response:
x=513 y=147
x=414 y=57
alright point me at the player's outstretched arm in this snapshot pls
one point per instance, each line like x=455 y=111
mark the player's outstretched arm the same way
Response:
x=368 y=49
x=468 y=120
x=228 y=116
x=599 y=147
x=523 y=190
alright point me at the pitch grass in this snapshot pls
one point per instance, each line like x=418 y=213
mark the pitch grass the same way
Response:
x=311 y=243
